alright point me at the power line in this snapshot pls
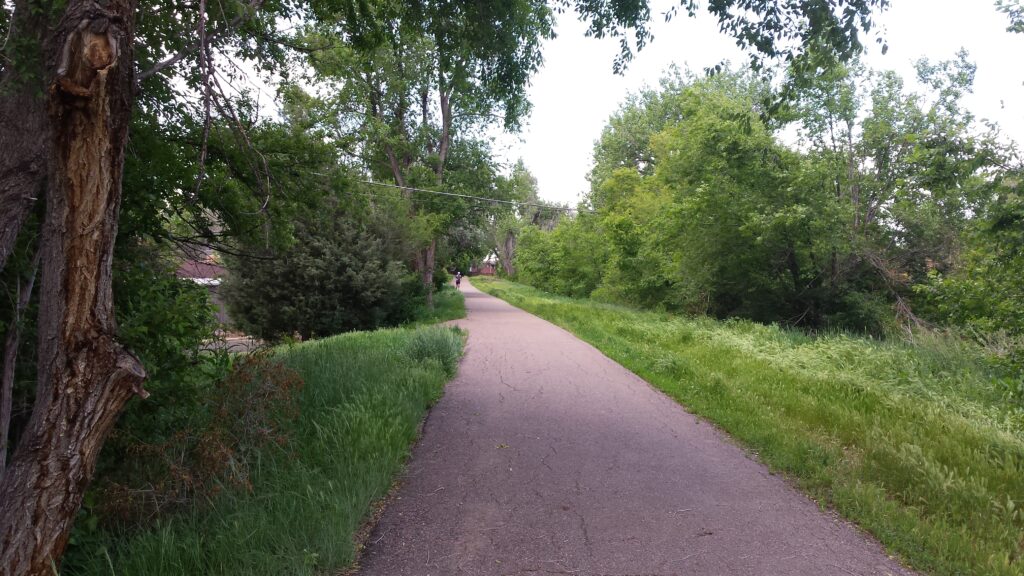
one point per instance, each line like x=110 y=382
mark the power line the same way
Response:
x=467 y=196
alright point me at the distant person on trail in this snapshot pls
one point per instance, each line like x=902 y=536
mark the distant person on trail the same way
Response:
x=458 y=279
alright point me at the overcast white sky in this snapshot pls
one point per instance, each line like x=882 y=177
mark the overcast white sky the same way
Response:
x=576 y=91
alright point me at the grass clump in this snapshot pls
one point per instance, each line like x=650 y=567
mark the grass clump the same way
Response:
x=363 y=397
x=441 y=346
x=914 y=441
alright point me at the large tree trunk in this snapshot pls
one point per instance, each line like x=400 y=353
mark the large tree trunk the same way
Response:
x=84 y=376
x=509 y=253
x=427 y=258
x=425 y=263
x=23 y=139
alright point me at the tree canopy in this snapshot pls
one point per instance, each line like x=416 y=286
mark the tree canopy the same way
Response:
x=701 y=207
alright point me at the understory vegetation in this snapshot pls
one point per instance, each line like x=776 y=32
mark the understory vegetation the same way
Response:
x=448 y=305
x=914 y=439
x=277 y=469
x=317 y=210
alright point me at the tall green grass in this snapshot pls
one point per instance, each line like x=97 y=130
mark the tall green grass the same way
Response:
x=364 y=397
x=913 y=441
x=448 y=305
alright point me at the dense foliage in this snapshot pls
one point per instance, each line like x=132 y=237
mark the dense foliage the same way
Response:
x=338 y=275
x=278 y=465
x=883 y=216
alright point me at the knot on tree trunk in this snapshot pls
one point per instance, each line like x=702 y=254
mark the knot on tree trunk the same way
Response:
x=90 y=50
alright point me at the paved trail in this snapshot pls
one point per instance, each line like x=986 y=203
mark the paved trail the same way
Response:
x=545 y=457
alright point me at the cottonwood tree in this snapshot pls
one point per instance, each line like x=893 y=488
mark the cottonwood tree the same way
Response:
x=509 y=222
x=67 y=94
x=908 y=172
x=701 y=208
x=75 y=154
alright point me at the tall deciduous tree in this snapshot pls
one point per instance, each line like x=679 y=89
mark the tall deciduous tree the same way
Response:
x=69 y=88
x=84 y=376
x=509 y=222
x=445 y=69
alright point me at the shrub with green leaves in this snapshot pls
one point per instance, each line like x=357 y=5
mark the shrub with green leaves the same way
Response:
x=185 y=456
x=338 y=276
x=984 y=296
x=699 y=204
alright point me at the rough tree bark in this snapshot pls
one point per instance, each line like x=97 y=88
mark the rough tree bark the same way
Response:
x=84 y=376
x=425 y=263
x=22 y=165
x=509 y=253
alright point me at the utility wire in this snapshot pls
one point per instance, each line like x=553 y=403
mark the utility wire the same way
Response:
x=484 y=198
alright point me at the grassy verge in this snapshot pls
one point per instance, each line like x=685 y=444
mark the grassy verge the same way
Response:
x=363 y=398
x=914 y=442
x=448 y=305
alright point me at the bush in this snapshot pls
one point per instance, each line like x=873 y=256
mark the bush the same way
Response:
x=441 y=278
x=161 y=318
x=565 y=261
x=336 y=277
x=152 y=460
x=209 y=446
x=861 y=312
x=984 y=297
x=165 y=321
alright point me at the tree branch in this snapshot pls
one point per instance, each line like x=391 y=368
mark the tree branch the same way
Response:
x=251 y=8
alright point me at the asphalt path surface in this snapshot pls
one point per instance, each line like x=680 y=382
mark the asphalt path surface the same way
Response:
x=546 y=457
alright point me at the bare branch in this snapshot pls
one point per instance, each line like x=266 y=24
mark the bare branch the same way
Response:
x=223 y=105
x=206 y=70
